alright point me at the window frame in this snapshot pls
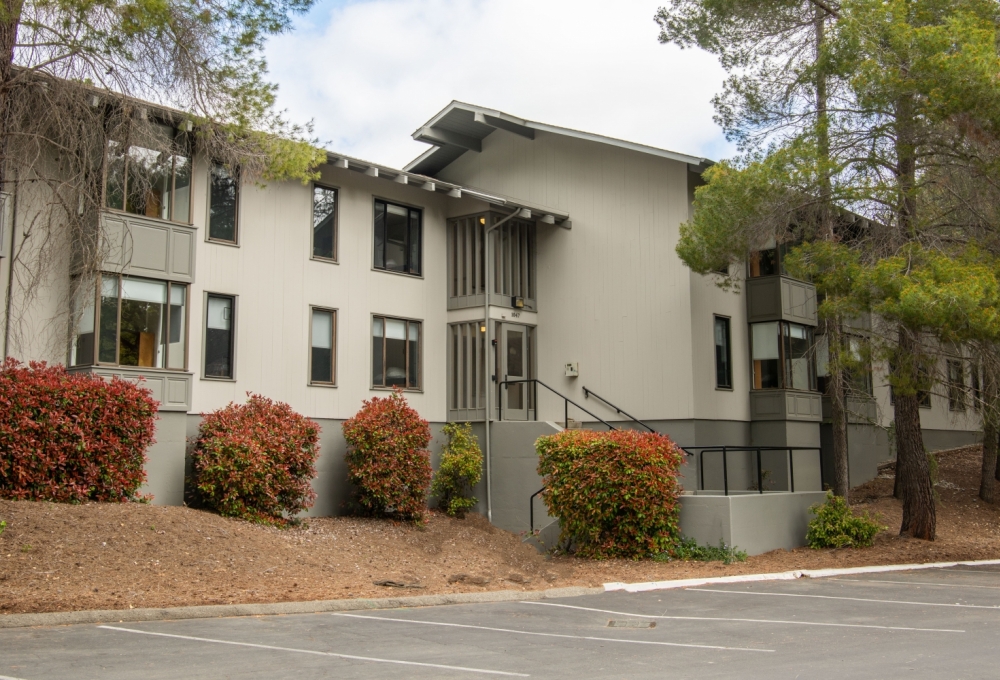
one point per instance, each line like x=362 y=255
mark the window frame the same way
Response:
x=729 y=352
x=420 y=352
x=333 y=348
x=956 y=389
x=96 y=358
x=235 y=243
x=187 y=152
x=233 y=337
x=336 y=224
x=783 y=359
x=420 y=210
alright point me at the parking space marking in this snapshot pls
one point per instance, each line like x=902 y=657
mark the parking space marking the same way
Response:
x=554 y=635
x=838 y=597
x=776 y=621
x=351 y=657
x=8 y=677
x=913 y=583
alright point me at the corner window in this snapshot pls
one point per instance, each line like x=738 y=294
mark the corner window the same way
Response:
x=723 y=354
x=324 y=231
x=782 y=356
x=398 y=233
x=956 y=385
x=153 y=178
x=220 y=317
x=395 y=353
x=223 y=201
x=769 y=261
x=139 y=322
x=322 y=348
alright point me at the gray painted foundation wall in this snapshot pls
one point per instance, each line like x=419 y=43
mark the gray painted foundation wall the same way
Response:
x=165 y=460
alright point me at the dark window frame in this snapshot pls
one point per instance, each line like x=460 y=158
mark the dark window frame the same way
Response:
x=234 y=306
x=182 y=147
x=716 y=318
x=336 y=223
x=333 y=347
x=235 y=177
x=783 y=328
x=957 y=392
x=420 y=353
x=411 y=211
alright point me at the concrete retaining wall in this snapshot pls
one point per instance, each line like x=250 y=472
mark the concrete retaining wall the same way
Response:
x=756 y=523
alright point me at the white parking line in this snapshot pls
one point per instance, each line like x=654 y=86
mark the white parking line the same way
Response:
x=835 y=597
x=555 y=635
x=912 y=583
x=7 y=677
x=778 y=621
x=352 y=657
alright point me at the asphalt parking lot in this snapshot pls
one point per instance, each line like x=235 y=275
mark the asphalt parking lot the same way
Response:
x=942 y=623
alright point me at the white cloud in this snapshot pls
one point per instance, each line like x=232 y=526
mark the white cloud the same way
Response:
x=369 y=73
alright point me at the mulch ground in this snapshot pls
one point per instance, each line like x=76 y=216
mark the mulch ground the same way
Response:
x=56 y=557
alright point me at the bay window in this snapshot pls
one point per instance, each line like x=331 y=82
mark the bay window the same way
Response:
x=782 y=356
x=152 y=179
x=395 y=353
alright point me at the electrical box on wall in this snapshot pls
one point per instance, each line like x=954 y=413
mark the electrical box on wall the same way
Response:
x=573 y=370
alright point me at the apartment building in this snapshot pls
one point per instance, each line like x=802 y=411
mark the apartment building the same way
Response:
x=515 y=270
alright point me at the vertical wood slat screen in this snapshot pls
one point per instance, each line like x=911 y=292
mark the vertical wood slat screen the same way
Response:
x=466 y=371
x=513 y=252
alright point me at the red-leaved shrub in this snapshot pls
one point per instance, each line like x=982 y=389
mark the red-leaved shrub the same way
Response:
x=387 y=459
x=72 y=437
x=255 y=461
x=615 y=493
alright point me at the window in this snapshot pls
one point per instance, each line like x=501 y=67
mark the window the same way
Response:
x=139 y=322
x=858 y=373
x=769 y=261
x=322 y=346
x=324 y=233
x=395 y=353
x=467 y=368
x=956 y=385
x=782 y=356
x=723 y=354
x=223 y=201
x=153 y=178
x=977 y=386
x=397 y=238
x=220 y=315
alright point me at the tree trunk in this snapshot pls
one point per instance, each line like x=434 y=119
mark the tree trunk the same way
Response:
x=991 y=433
x=838 y=411
x=912 y=467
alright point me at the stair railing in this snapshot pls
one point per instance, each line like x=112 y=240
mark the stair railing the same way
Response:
x=566 y=401
x=587 y=393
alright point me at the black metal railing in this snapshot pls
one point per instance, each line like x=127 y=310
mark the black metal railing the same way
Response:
x=758 y=451
x=531 y=508
x=587 y=393
x=535 y=382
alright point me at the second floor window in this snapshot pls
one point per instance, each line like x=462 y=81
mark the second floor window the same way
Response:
x=398 y=235
x=395 y=353
x=782 y=356
x=324 y=231
x=956 y=385
x=223 y=203
x=723 y=355
x=138 y=322
x=153 y=178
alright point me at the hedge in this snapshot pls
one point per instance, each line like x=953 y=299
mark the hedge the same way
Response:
x=72 y=437
x=255 y=461
x=387 y=459
x=615 y=493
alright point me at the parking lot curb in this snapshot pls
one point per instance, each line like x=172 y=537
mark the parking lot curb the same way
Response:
x=271 y=609
x=786 y=575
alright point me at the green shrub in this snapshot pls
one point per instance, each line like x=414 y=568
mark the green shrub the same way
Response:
x=615 y=493
x=688 y=550
x=460 y=470
x=255 y=461
x=835 y=526
x=387 y=459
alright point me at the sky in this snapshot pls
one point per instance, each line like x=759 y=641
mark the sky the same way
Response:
x=368 y=73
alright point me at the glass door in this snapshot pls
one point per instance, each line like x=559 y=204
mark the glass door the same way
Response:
x=514 y=349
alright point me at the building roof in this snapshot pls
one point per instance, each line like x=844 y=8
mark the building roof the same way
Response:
x=461 y=127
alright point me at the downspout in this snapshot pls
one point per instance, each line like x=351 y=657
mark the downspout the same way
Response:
x=489 y=369
x=8 y=303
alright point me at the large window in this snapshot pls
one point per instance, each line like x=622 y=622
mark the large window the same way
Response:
x=223 y=204
x=323 y=346
x=857 y=373
x=220 y=335
x=137 y=322
x=151 y=178
x=324 y=231
x=768 y=262
x=397 y=238
x=956 y=385
x=782 y=355
x=395 y=353
x=723 y=354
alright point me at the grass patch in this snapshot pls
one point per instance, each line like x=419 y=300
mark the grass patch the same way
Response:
x=688 y=550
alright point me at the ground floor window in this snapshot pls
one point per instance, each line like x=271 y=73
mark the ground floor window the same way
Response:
x=220 y=326
x=130 y=321
x=322 y=347
x=396 y=352
x=782 y=356
x=956 y=385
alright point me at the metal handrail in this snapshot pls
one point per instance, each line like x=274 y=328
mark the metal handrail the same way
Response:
x=531 y=507
x=587 y=393
x=725 y=450
x=566 y=401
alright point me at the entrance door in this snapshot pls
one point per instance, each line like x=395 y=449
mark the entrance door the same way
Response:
x=513 y=358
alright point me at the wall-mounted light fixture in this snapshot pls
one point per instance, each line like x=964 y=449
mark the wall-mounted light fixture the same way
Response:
x=518 y=302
